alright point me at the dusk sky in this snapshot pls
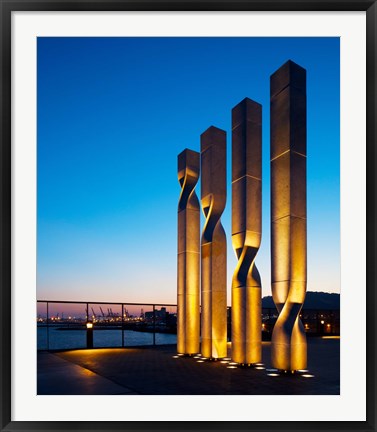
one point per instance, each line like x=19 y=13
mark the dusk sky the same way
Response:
x=114 y=113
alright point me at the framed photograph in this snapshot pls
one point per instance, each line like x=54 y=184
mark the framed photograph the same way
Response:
x=108 y=108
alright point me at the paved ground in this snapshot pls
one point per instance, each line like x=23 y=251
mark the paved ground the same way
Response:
x=158 y=371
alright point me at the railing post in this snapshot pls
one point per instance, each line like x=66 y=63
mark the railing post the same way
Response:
x=331 y=322
x=229 y=323
x=154 y=325
x=48 y=330
x=122 y=325
x=89 y=329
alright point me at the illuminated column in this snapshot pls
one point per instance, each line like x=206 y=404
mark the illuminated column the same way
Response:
x=288 y=214
x=213 y=258
x=246 y=231
x=188 y=313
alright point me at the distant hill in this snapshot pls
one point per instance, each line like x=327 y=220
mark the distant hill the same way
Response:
x=313 y=300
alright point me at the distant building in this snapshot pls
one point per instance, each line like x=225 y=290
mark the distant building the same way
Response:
x=159 y=314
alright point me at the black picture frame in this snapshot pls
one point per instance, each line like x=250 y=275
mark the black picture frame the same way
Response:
x=6 y=9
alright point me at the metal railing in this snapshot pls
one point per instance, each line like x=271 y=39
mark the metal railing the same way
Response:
x=56 y=331
x=159 y=320
x=316 y=322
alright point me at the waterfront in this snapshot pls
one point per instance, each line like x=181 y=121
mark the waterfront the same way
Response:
x=60 y=338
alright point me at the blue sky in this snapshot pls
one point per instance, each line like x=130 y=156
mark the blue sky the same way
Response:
x=114 y=113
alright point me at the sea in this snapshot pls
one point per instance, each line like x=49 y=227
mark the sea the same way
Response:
x=55 y=338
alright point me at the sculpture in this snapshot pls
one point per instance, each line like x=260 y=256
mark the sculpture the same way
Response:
x=246 y=231
x=213 y=244
x=188 y=309
x=288 y=214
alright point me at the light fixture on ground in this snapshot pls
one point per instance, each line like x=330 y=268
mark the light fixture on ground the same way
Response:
x=89 y=334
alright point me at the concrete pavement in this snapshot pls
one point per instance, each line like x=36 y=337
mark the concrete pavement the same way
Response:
x=159 y=371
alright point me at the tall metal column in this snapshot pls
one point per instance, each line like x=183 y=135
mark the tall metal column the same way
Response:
x=188 y=321
x=246 y=231
x=213 y=244
x=288 y=214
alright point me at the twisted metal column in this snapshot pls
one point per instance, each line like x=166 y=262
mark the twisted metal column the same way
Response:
x=246 y=231
x=188 y=309
x=213 y=244
x=288 y=214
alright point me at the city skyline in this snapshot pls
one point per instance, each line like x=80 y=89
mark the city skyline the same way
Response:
x=113 y=115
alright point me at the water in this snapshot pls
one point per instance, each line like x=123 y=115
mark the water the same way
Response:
x=70 y=339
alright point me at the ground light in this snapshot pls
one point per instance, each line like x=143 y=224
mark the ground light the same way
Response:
x=272 y=372
x=299 y=373
x=89 y=334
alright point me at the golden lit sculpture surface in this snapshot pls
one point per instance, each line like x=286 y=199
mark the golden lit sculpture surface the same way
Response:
x=213 y=247
x=246 y=231
x=188 y=312
x=288 y=214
